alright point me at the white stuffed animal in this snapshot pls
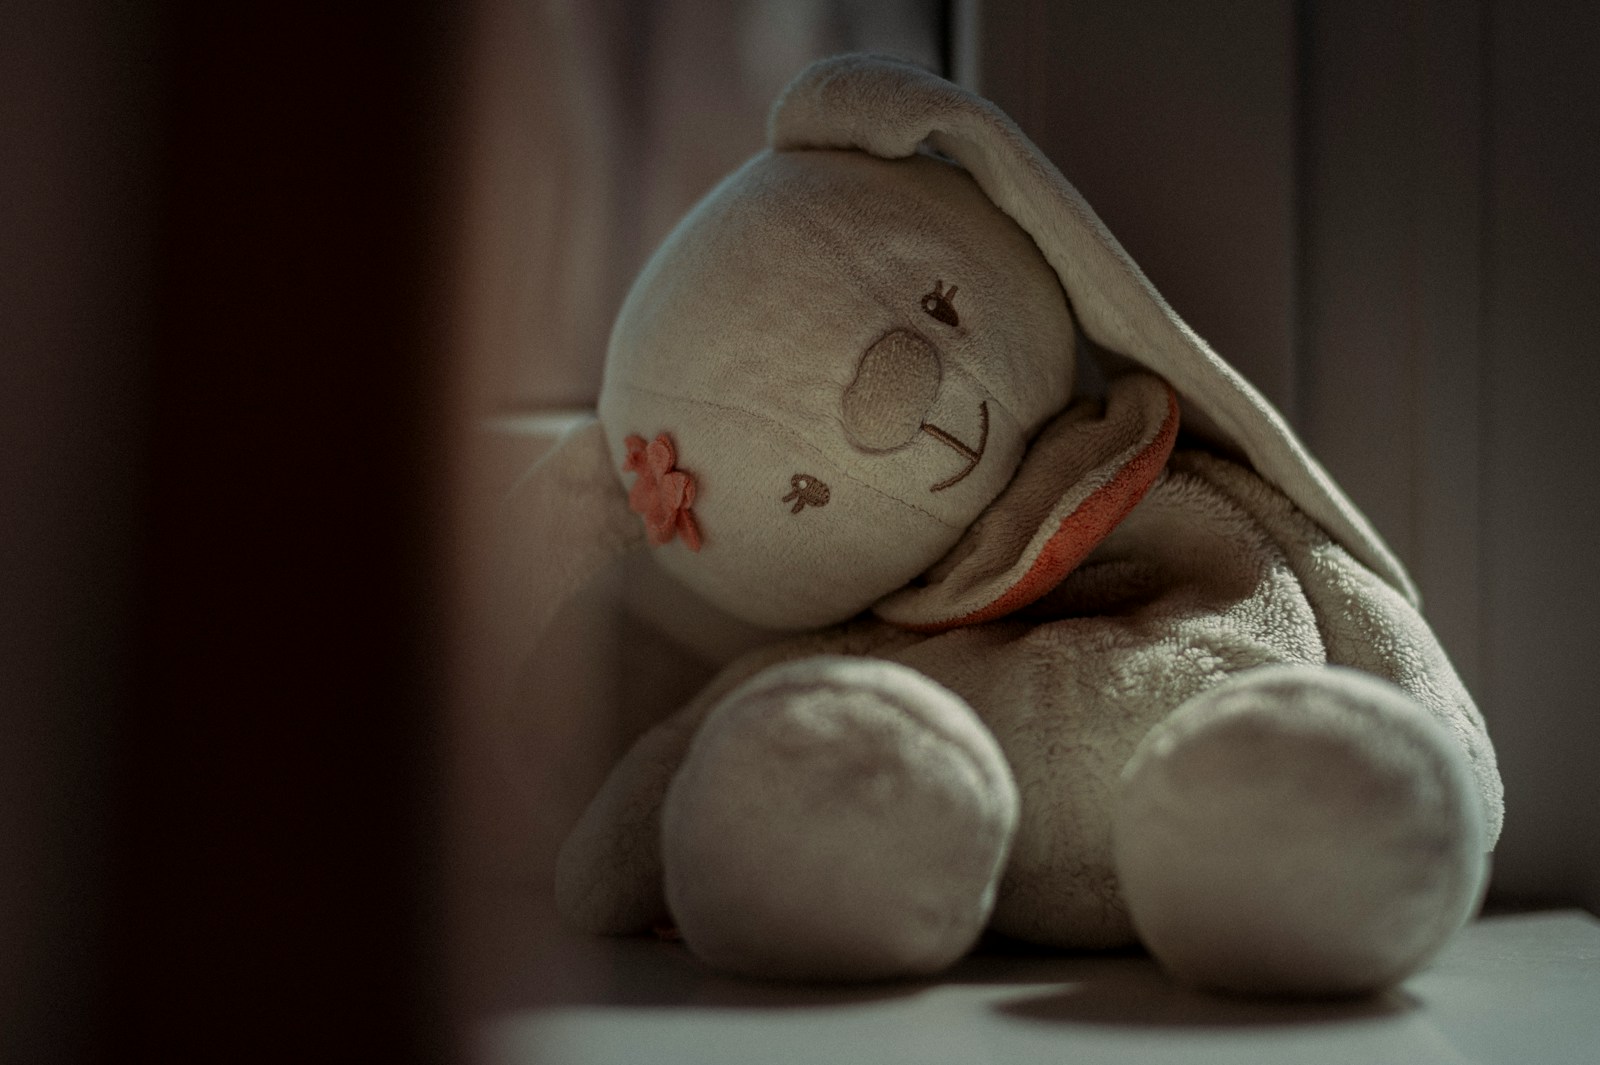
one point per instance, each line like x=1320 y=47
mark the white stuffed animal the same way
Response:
x=1059 y=668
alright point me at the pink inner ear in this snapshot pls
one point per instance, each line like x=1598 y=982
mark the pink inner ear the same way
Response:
x=1080 y=532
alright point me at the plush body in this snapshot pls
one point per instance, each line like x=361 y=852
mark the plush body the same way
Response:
x=1059 y=671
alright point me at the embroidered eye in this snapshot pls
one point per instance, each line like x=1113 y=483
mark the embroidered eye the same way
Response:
x=805 y=491
x=938 y=304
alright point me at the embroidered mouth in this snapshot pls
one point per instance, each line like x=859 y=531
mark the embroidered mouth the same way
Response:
x=972 y=455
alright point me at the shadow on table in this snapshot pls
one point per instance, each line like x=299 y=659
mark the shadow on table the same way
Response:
x=1135 y=993
x=645 y=972
x=1121 y=988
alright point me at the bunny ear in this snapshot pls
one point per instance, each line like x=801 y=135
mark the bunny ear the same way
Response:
x=565 y=521
x=889 y=108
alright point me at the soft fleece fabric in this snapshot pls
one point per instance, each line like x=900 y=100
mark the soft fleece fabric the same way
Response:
x=1114 y=684
x=1214 y=573
x=779 y=318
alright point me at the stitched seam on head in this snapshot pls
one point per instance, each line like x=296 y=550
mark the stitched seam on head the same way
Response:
x=794 y=438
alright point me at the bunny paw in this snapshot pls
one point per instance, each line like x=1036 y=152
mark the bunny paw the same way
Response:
x=837 y=818
x=1298 y=831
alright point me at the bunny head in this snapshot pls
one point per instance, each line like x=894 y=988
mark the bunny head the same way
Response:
x=846 y=357
x=860 y=347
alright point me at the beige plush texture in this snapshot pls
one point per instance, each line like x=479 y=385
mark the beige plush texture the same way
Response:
x=1213 y=574
x=1234 y=810
x=784 y=332
x=895 y=385
x=749 y=330
x=609 y=876
x=875 y=842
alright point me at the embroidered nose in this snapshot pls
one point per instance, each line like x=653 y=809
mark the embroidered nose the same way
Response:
x=895 y=385
x=807 y=491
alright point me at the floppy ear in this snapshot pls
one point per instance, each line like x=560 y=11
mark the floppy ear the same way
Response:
x=564 y=521
x=889 y=108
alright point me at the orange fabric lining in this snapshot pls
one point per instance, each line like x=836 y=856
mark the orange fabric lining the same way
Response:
x=1080 y=532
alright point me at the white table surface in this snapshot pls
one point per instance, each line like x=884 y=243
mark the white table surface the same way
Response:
x=1521 y=988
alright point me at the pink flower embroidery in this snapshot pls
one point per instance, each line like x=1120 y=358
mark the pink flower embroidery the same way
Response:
x=661 y=495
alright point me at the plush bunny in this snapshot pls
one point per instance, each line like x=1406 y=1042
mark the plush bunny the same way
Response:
x=1056 y=668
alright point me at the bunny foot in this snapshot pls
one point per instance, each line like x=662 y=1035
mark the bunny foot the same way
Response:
x=837 y=818
x=1298 y=831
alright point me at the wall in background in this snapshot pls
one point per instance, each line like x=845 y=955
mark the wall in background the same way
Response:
x=1383 y=213
x=1540 y=385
